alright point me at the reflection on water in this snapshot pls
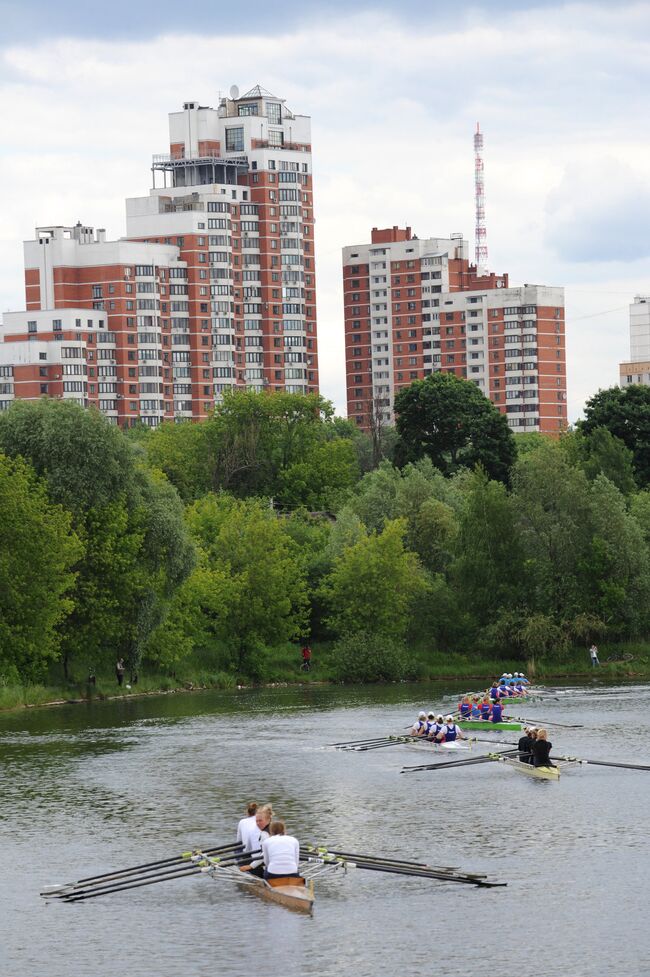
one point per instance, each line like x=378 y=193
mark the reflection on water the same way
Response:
x=88 y=788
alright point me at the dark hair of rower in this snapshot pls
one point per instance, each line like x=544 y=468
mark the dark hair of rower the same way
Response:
x=277 y=828
x=252 y=807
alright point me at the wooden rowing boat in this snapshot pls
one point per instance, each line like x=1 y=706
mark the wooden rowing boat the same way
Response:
x=487 y=724
x=289 y=892
x=540 y=773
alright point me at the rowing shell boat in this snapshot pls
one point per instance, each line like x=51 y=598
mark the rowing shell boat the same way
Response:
x=425 y=744
x=290 y=892
x=488 y=724
x=540 y=773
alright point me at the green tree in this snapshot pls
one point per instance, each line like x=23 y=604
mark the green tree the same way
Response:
x=601 y=453
x=185 y=453
x=268 y=603
x=489 y=569
x=373 y=585
x=619 y=569
x=131 y=522
x=323 y=479
x=554 y=509
x=38 y=552
x=196 y=618
x=640 y=509
x=625 y=413
x=257 y=435
x=451 y=422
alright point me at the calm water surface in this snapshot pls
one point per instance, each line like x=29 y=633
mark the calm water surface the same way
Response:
x=90 y=788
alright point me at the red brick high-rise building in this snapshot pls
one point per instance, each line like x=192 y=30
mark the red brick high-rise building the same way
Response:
x=213 y=287
x=413 y=307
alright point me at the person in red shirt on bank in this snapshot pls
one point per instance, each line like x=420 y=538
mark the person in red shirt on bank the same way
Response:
x=306 y=658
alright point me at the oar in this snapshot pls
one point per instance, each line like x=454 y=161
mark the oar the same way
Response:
x=199 y=863
x=486 y=758
x=421 y=873
x=135 y=869
x=482 y=739
x=313 y=849
x=547 y=722
x=106 y=884
x=374 y=739
x=605 y=763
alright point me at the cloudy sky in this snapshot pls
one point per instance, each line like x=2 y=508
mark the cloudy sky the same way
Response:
x=394 y=90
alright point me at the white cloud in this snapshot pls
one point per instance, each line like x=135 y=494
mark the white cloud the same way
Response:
x=393 y=108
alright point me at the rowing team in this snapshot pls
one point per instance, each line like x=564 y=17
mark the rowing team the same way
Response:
x=534 y=747
x=477 y=708
x=503 y=689
x=435 y=729
x=274 y=854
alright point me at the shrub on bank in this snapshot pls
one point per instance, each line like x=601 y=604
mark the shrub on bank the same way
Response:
x=364 y=657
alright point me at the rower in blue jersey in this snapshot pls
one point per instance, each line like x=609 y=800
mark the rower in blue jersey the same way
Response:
x=486 y=708
x=451 y=731
x=436 y=735
x=476 y=707
x=494 y=691
x=431 y=721
x=419 y=726
x=465 y=707
x=497 y=712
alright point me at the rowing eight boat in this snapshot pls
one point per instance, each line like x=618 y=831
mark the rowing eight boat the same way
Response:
x=488 y=724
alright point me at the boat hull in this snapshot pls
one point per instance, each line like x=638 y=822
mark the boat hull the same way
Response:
x=477 y=724
x=290 y=893
x=539 y=773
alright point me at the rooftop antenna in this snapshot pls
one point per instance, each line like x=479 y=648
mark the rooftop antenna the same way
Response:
x=481 y=251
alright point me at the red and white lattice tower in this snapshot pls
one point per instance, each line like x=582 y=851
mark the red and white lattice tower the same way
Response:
x=481 y=252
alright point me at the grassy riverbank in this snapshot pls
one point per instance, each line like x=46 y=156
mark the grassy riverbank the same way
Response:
x=282 y=666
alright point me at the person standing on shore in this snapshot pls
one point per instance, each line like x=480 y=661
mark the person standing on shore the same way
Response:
x=120 y=669
x=593 y=653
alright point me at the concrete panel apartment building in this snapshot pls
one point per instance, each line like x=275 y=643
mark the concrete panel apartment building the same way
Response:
x=212 y=288
x=416 y=306
x=636 y=370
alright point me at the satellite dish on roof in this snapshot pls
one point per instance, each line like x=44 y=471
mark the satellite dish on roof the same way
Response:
x=234 y=91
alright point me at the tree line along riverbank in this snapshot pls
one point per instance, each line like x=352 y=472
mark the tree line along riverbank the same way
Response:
x=621 y=662
x=207 y=553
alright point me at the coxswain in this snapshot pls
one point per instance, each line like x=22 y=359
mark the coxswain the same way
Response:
x=419 y=727
x=247 y=824
x=541 y=749
x=497 y=712
x=281 y=853
x=525 y=746
x=486 y=708
x=451 y=731
x=465 y=707
x=254 y=839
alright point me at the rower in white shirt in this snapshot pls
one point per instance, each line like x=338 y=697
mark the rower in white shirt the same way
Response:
x=247 y=824
x=281 y=853
x=253 y=837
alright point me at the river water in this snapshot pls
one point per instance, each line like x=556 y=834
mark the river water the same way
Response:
x=89 y=788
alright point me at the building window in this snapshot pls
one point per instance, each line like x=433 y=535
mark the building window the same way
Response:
x=235 y=140
x=276 y=137
x=274 y=113
x=248 y=108
x=31 y=326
